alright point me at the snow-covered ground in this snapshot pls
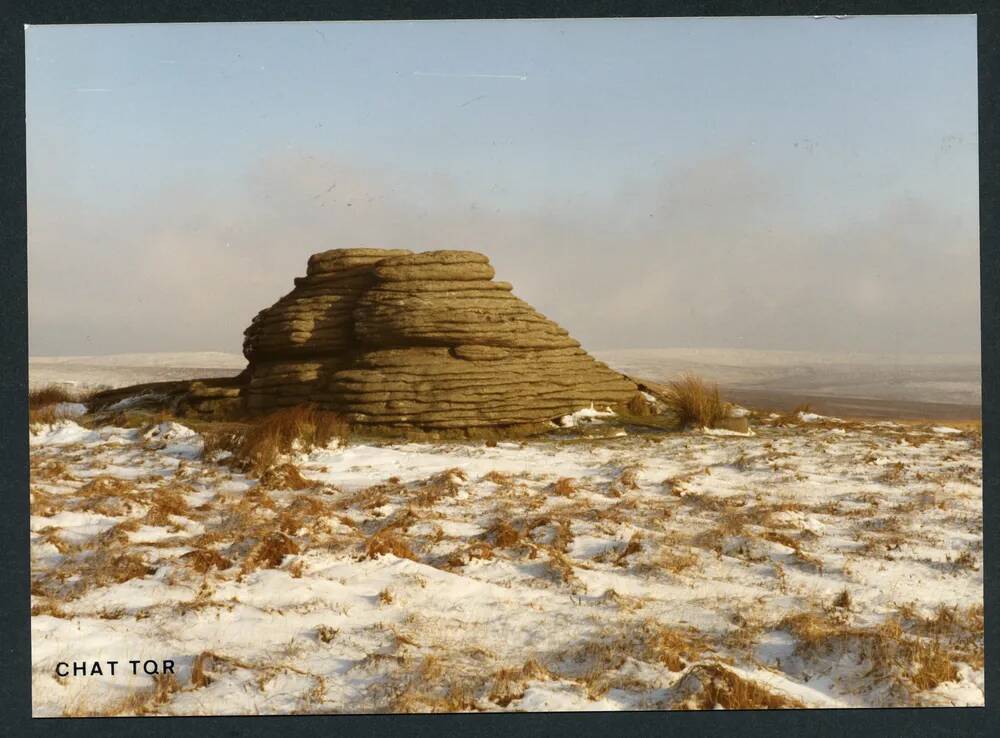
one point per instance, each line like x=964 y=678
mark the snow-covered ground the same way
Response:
x=820 y=563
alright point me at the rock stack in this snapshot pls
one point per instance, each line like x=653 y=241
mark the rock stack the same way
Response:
x=424 y=341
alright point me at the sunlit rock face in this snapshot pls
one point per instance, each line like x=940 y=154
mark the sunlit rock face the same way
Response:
x=425 y=340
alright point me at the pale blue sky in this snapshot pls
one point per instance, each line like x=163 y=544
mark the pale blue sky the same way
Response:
x=769 y=183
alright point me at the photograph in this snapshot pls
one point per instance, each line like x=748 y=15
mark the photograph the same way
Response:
x=504 y=365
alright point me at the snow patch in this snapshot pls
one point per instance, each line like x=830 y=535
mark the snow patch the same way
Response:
x=586 y=416
x=62 y=433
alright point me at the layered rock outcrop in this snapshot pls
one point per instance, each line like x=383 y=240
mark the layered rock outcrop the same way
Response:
x=427 y=341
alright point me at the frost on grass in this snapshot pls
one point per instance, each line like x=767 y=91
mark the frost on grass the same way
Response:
x=817 y=563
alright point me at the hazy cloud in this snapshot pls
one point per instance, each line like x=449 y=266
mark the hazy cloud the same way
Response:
x=717 y=253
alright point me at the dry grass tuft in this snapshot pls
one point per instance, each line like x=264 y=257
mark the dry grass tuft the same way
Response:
x=203 y=559
x=260 y=447
x=843 y=600
x=501 y=479
x=51 y=394
x=694 y=402
x=909 y=662
x=443 y=484
x=711 y=686
x=45 y=415
x=270 y=552
x=503 y=534
x=303 y=512
x=167 y=501
x=201 y=669
x=508 y=685
x=633 y=546
x=388 y=542
x=48 y=607
x=326 y=634
x=564 y=487
x=284 y=476
x=430 y=687
x=676 y=562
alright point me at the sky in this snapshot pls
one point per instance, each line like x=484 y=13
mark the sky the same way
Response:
x=769 y=183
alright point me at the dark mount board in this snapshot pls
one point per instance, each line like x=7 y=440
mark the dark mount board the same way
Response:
x=14 y=626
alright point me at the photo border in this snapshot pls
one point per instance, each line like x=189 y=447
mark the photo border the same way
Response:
x=15 y=682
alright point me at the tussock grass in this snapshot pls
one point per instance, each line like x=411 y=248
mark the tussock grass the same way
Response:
x=633 y=546
x=676 y=562
x=284 y=476
x=270 y=552
x=432 y=687
x=595 y=663
x=204 y=559
x=711 y=686
x=43 y=403
x=694 y=402
x=388 y=542
x=52 y=394
x=503 y=534
x=259 y=445
x=508 y=685
x=564 y=487
x=910 y=661
x=167 y=501
x=440 y=485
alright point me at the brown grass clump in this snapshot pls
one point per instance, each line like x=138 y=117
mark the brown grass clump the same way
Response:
x=270 y=552
x=508 y=685
x=48 y=607
x=564 y=487
x=275 y=434
x=51 y=394
x=503 y=534
x=629 y=478
x=166 y=501
x=911 y=663
x=326 y=634
x=303 y=512
x=633 y=546
x=501 y=479
x=202 y=560
x=893 y=473
x=103 y=486
x=45 y=415
x=201 y=669
x=694 y=402
x=710 y=686
x=388 y=542
x=106 y=568
x=443 y=484
x=676 y=562
x=596 y=662
x=433 y=688
x=284 y=476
